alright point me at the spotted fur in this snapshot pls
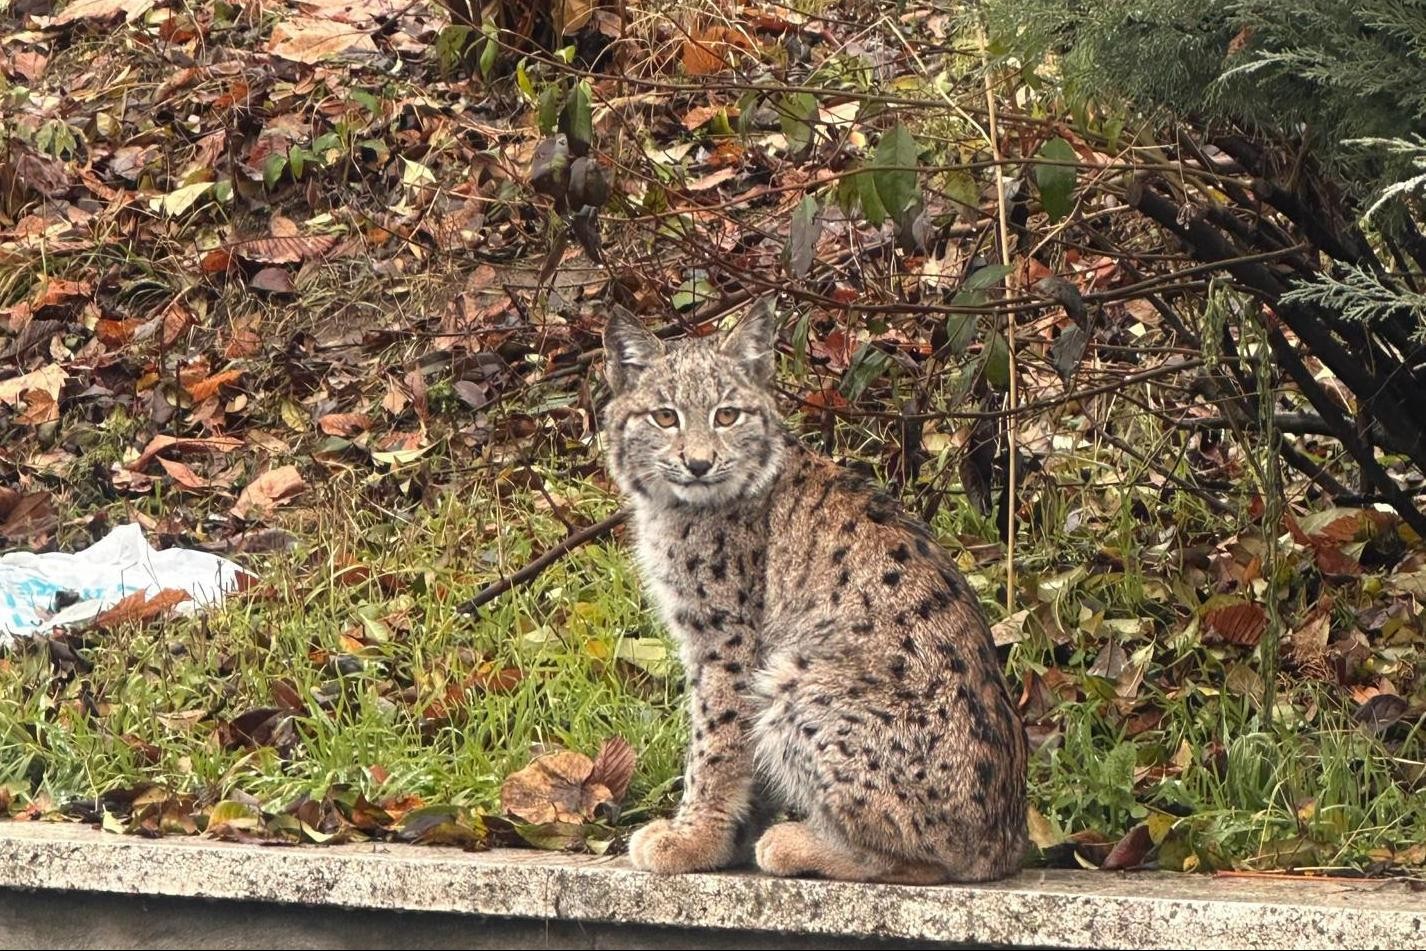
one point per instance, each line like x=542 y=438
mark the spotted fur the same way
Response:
x=840 y=668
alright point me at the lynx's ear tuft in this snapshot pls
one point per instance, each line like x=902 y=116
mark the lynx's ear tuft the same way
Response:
x=752 y=343
x=628 y=348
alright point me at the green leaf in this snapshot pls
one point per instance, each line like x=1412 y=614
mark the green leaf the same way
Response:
x=296 y=161
x=233 y=814
x=964 y=192
x=868 y=363
x=872 y=208
x=986 y=277
x=997 y=362
x=693 y=292
x=451 y=44
x=894 y=165
x=368 y=100
x=795 y=113
x=522 y=80
x=799 y=343
x=273 y=168
x=488 y=52
x=649 y=654
x=961 y=330
x=576 y=120
x=802 y=237
x=1056 y=182
x=547 y=115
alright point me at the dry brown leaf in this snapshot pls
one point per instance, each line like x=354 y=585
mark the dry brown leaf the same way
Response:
x=1130 y=851
x=344 y=424
x=176 y=320
x=49 y=379
x=284 y=250
x=311 y=40
x=27 y=515
x=263 y=494
x=614 y=767
x=183 y=444
x=209 y=386
x=555 y=787
x=103 y=10
x=182 y=474
x=1241 y=624
x=40 y=408
x=139 y=607
x=274 y=280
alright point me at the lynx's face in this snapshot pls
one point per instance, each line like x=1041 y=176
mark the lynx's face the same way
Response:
x=692 y=422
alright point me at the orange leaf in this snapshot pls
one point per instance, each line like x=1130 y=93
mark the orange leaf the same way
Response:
x=115 y=333
x=183 y=475
x=704 y=54
x=267 y=491
x=344 y=424
x=139 y=607
x=216 y=262
x=1241 y=624
x=176 y=320
x=183 y=444
x=206 y=388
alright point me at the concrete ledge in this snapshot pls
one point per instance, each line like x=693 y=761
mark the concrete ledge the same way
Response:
x=1048 y=909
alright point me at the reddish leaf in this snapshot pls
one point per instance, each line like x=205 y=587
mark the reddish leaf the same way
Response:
x=209 y=386
x=284 y=250
x=274 y=280
x=182 y=474
x=1129 y=852
x=344 y=424
x=181 y=444
x=614 y=767
x=1241 y=624
x=139 y=607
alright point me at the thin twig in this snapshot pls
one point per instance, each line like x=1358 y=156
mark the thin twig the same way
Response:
x=1003 y=239
x=548 y=557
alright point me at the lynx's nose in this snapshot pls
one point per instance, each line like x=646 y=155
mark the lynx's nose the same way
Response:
x=699 y=467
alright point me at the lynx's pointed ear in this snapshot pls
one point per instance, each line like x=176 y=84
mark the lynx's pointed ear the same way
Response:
x=628 y=348
x=753 y=342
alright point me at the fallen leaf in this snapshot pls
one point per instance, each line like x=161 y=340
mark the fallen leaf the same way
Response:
x=182 y=474
x=311 y=40
x=49 y=379
x=263 y=494
x=344 y=424
x=183 y=444
x=209 y=386
x=284 y=249
x=138 y=608
x=103 y=10
x=274 y=280
x=555 y=787
x=26 y=516
x=614 y=767
x=1242 y=624
x=1130 y=851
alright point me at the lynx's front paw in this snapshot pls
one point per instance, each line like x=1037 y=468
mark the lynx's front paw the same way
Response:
x=671 y=847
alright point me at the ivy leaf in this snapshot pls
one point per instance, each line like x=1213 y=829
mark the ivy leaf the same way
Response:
x=1056 y=181
x=961 y=330
x=576 y=120
x=802 y=237
x=894 y=174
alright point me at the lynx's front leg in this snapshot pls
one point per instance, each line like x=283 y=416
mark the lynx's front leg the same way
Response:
x=718 y=780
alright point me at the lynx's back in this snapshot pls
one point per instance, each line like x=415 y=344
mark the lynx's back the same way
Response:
x=840 y=667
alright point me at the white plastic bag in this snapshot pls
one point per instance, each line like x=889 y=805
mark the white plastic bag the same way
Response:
x=102 y=575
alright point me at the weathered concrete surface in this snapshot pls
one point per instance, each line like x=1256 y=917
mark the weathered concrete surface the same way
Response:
x=1060 y=909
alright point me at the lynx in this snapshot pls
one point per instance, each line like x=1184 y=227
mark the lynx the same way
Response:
x=839 y=667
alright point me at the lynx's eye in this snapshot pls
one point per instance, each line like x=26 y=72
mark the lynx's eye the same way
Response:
x=727 y=415
x=665 y=417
